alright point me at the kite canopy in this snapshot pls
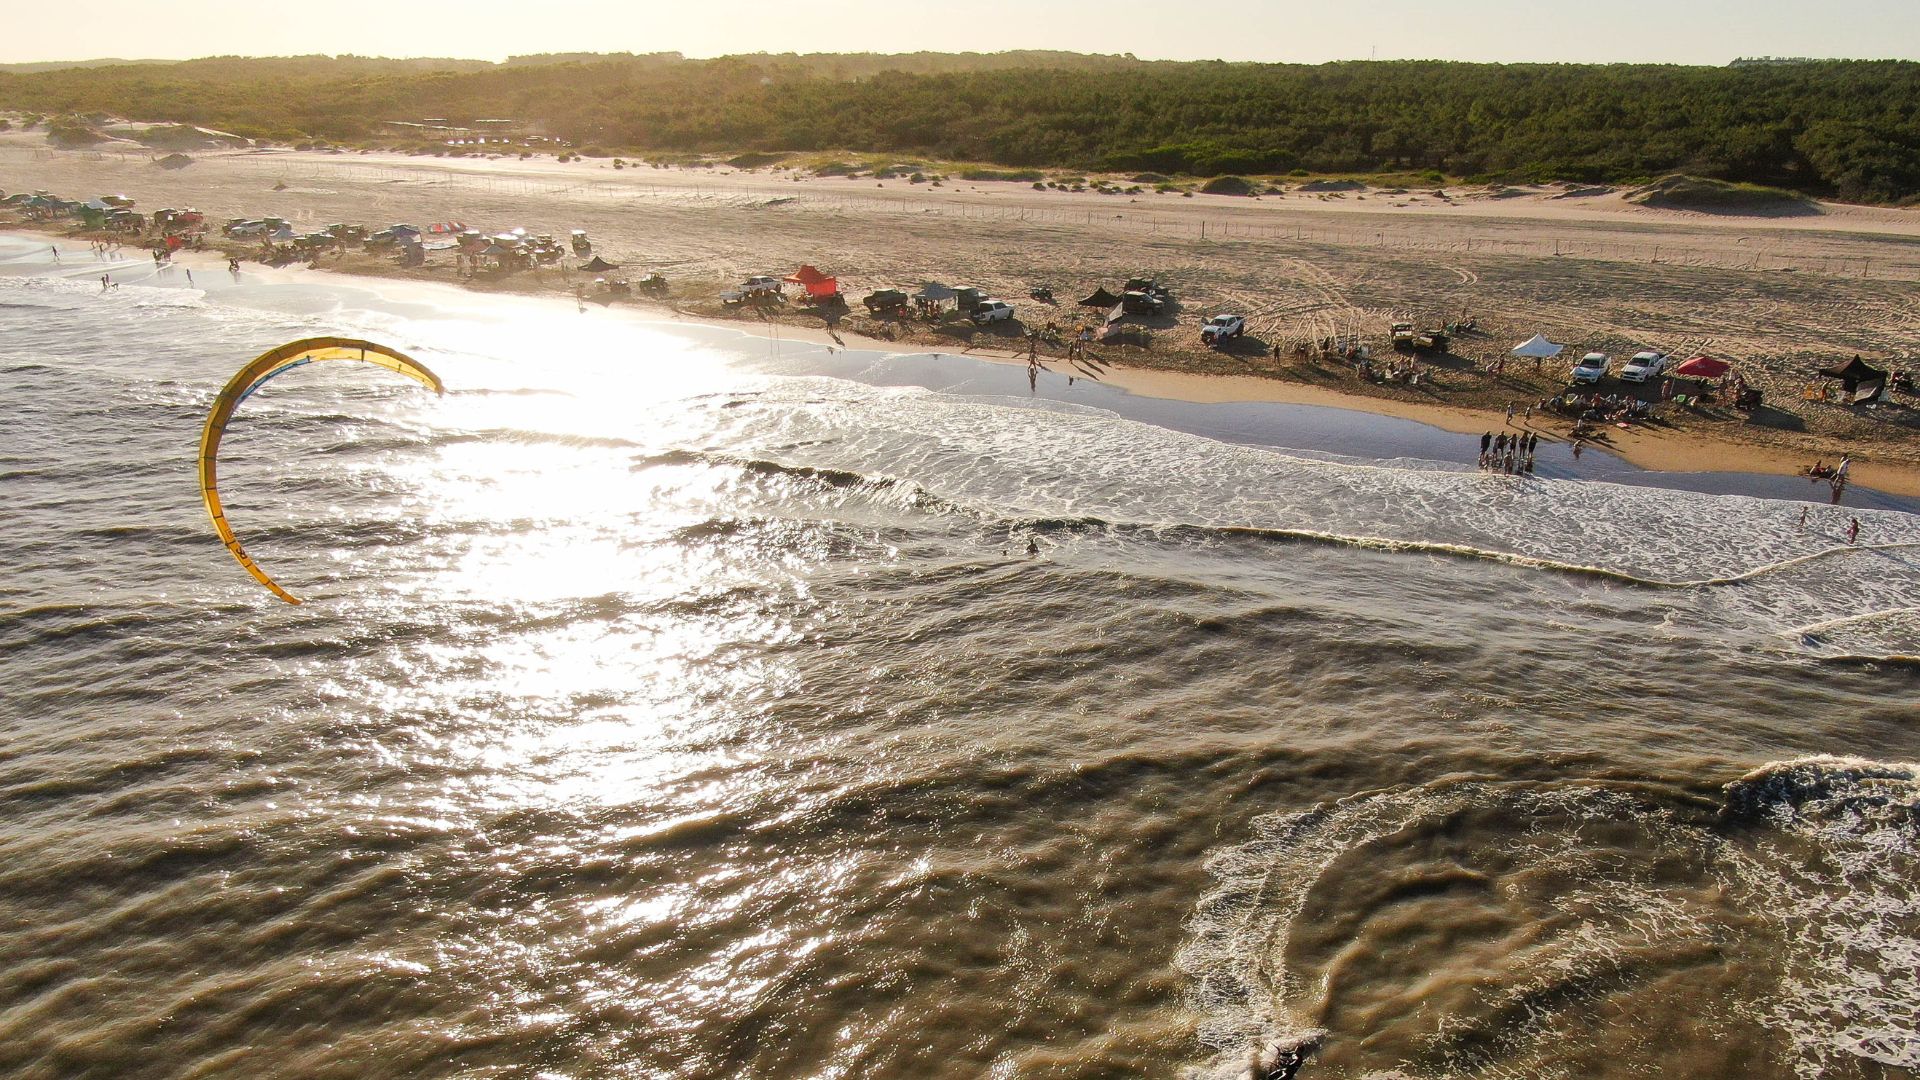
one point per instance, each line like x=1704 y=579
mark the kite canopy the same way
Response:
x=1703 y=367
x=1539 y=346
x=267 y=365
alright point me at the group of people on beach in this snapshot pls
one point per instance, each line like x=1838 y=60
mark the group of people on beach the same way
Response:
x=1506 y=453
x=1600 y=408
x=1852 y=530
x=1396 y=371
x=1836 y=476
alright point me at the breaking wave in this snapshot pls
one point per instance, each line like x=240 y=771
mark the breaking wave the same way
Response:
x=1798 y=890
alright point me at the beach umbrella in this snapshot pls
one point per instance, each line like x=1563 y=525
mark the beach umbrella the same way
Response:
x=1537 y=346
x=1703 y=367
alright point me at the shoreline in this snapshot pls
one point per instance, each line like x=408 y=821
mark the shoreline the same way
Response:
x=1654 y=450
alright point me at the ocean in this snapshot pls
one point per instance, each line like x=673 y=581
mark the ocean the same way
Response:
x=682 y=701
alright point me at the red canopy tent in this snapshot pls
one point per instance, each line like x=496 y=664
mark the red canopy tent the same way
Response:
x=818 y=285
x=1703 y=367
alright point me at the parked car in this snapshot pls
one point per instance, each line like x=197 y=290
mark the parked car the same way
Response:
x=1644 y=366
x=1222 y=328
x=1591 y=368
x=992 y=311
x=753 y=289
x=246 y=228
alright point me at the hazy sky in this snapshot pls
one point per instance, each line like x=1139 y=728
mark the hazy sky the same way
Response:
x=1677 y=31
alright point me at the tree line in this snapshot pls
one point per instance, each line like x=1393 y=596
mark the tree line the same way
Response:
x=1849 y=129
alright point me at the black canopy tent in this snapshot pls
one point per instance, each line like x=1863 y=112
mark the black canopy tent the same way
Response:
x=1861 y=380
x=885 y=300
x=1101 y=298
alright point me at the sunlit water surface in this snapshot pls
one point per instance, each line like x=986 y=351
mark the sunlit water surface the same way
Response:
x=673 y=702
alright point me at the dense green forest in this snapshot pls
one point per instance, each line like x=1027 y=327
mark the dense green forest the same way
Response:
x=1844 y=128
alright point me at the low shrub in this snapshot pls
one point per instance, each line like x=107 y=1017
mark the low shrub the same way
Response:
x=1227 y=185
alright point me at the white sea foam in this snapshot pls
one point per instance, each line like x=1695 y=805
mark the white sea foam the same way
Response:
x=1821 y=854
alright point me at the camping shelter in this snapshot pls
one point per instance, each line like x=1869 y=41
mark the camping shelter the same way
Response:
x=885 y=300
x=1862 y=380
x=1538 y=347
x=818 y=285
x=597 y=264
x=933 y=293
x=1100 y=298
x=1703 y=367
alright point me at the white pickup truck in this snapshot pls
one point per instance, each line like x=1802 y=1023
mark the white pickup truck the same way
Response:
x=754 y=288
x=992 y=311
x=1644 y=366
x=1221 y=329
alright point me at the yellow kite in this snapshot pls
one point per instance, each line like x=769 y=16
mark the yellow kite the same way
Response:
x=270 y=363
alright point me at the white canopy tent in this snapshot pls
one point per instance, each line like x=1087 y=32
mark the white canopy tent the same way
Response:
x=1539 y=346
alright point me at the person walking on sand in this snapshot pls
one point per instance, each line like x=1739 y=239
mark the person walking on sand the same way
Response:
x=1853 y=529
x=1509 y=414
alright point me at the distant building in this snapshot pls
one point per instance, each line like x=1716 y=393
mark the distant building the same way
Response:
x=474 y=131
x=508 y=130
x=425 y=129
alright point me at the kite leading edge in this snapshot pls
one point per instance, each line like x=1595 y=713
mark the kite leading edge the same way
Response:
x=269 y=364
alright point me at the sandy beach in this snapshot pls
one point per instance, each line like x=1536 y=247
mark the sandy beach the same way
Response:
x=1778 y=295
